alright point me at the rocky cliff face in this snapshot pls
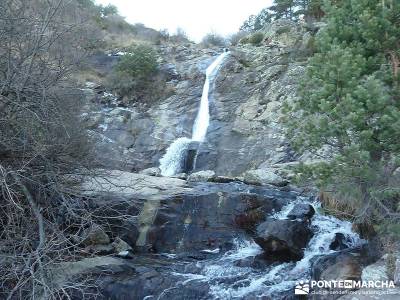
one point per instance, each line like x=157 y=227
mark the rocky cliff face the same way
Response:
x=245 y=131
x=236 y=231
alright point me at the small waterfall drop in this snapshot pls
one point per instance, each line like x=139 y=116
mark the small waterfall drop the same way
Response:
x=171 y=162
x=229 y=277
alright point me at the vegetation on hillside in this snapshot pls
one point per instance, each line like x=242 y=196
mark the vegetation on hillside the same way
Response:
x=213 y=39
x=135 y=72
x=349 y=107
x=44 y=147
x=309 y=10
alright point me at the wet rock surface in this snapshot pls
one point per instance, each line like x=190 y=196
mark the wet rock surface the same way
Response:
x=192 y=235
x=301 y=211
x=283 y=239
x=339 y=242
x=245 y=131
x=195 y=239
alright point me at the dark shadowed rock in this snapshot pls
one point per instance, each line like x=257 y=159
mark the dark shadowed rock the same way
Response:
x=211 y=218
x=95 y=235
x=339 y=242
x=122 y=279
x=337 y=266
x=283 y=239
x=301 y=211
x=225 y=179
x=189 y=160
x=347 y=264
x=163 y=214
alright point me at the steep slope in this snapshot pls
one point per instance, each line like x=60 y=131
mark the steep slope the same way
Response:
x=245 y=131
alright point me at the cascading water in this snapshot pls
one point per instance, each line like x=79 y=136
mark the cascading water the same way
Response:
x=228 y=278
x=228 y=275
x=203 y=117
x=171 y=162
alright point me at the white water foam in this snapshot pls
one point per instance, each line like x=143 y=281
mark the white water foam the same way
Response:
x=229 y=279
x=171 y=162
x=203 y=117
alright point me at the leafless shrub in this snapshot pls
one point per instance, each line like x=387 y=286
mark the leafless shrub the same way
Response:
x=213 y=39
x=237 y=37
x=42 y=141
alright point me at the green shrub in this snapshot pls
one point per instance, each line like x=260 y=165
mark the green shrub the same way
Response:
x=256 y=38
x=283 y=29
x=134 y=72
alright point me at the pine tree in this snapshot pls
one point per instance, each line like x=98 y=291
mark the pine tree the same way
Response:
x=350 y=100
x=283 y=9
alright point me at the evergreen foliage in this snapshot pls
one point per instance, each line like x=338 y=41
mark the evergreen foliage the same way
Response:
x=284 y=9
x=350 y=104
x=134 y=71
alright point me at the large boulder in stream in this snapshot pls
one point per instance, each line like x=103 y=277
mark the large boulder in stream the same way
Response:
x=347 y=264
x=303 y=211
x=283 y=239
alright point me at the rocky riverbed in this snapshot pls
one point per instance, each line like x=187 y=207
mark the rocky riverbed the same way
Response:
x=233 y=226
x=203 y=239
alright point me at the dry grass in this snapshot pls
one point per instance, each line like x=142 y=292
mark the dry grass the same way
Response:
x=338 y=205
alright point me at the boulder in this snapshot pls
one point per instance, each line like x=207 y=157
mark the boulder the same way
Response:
x=209 y=218
x=375 y=272
x=264 y=177
x=337 y=266
x=120 y=245
x=283 y=239
x=339 y=242
x=95 y=235
x=343 y=265
x=302 y=211
x=202 y=176
x=151 y=171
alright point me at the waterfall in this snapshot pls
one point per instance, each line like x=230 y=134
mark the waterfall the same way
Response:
x=171 y=162
x=203 y=116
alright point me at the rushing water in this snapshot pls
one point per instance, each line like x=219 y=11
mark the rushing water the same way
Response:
x=229 y=278
x=171 y=162
x=232 y=275
x=203 y=117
